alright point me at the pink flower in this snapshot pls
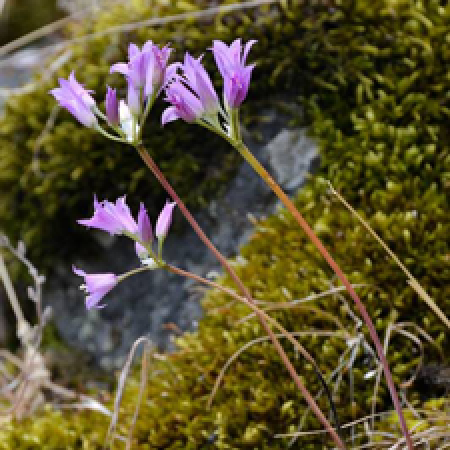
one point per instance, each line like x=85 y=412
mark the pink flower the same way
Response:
x=236 y=75
x=198 y=80
x=97 y=285
x=185 y=105
x=115 y=218
x=72 y=96
x=112 y=106
x=144 y=232
x=146 y=68
x=192 y=95
x=164 y=220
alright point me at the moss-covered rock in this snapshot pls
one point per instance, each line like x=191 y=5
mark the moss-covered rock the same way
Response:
x=384 y=136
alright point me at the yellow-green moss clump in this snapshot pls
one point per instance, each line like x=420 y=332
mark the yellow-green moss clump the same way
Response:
x=376 y=83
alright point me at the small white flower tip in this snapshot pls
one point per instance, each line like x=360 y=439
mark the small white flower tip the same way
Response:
x=150 y=263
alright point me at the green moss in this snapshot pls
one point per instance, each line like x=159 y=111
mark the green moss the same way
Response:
x=384 y=145
x=16 y=20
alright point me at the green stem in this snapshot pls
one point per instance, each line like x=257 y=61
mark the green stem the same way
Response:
x=110 y=136
x=132 y=272
x=287 y=363
x=148 y=107
x=248 y=156
x=235 y=126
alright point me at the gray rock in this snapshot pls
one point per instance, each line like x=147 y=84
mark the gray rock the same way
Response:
x=290 y=155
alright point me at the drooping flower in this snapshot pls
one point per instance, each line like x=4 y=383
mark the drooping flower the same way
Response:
x=164 y=220
x=97 y=286
x=126 y=122
x=145 y=233
x=236 y=75
x=185 y=105
x=112 y=106
x=115 y=218
x=72 y=96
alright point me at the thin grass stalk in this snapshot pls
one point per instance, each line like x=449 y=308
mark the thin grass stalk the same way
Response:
x=411 y=280
x=306 y=394
x=255 y=164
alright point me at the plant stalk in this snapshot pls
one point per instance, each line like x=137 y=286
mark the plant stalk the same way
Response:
x=248 y=156
x=274 y=322
x=306 y=394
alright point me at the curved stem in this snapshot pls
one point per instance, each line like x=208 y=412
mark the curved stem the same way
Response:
x=252 y=306
x=306 y=394
x=244 y=151
x=109 y=136
x=411 y=280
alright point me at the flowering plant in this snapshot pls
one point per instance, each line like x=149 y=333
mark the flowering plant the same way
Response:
x=192 y=98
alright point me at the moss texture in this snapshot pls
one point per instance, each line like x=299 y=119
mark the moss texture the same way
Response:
x=373 y=76
x=16 y=20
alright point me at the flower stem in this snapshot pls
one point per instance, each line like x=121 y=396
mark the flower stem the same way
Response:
x=147 y=109
x=306 y=394
x=248 y=156
x=109 y=136
x=274 y=322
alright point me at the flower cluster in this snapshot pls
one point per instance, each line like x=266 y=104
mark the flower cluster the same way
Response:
x=116 y=218
x=146 y=73
x=188 y=88
x=192 y=97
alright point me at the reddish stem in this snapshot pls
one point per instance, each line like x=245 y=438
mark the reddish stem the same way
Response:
x=306 y=394
x=243 y=150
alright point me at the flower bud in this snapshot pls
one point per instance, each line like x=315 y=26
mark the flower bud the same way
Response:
x=164 y=220
x=112 y=106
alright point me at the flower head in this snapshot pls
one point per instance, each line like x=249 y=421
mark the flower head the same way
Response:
x=144 y=231
x=97 y=286
x=72 y=96
x=115 y=218
x=164 y=220
x=112 y=106
x=236 y=75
